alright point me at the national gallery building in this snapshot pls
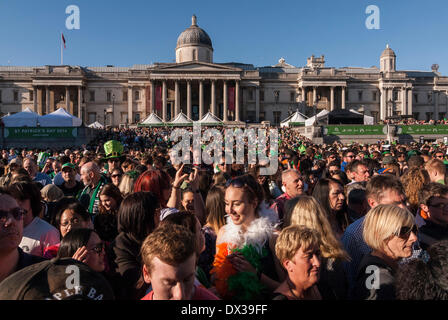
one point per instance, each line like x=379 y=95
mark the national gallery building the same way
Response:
x=234 y=92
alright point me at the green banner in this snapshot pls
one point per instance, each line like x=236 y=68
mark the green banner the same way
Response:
x=423 y=129
x=27 y=133
x=355 y=130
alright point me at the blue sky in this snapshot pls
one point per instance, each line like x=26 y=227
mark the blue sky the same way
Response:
x=124 y=33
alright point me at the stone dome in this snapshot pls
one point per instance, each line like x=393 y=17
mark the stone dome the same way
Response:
x=388 y=52
x=194 y=36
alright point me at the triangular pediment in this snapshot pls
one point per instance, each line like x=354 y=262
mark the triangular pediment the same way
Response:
x=197 y=66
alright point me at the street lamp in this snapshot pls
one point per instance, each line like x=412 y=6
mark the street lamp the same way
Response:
x=105 y=114
x=113 y=104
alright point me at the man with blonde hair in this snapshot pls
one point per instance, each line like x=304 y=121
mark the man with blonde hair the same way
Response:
x=436 y=170
x=169 y=256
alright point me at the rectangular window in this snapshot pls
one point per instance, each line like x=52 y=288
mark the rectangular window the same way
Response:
x=31 y=93
x=124 y=117
x=137 y=95
x=292 y=96
x=92 y=96
x=396 y=95
x=374 y=95
x=277 y=115
x=415 y=115
x=359 y=95
x=125 y=96
x=92 y=117
x=109 y=96
x=16 y=95
x=137 y=117
x=261 y=95
x=251 y=94
x=416 y=97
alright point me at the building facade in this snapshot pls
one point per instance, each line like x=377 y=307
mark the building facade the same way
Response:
x=234 y=92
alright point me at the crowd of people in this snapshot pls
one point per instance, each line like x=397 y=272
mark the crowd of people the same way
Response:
x=334 y=222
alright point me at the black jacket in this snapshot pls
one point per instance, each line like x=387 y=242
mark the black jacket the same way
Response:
x=375 y=280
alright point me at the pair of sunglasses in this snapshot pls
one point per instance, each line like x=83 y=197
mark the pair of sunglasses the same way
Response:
x=405 y=232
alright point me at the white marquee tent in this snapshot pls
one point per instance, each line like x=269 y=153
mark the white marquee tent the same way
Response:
x=59 y=118
x=26 y=118
x=210 y=120
x=310 y=121
x=296 y=119
x=96 y=125
x=152 y=120
x=181 y=120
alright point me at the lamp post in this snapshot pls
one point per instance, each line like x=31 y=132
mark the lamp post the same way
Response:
x=113 y=105
x=390 y=104
x=105 y=114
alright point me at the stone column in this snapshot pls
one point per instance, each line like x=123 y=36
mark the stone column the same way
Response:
x=189 y=110
x=52 y=103
x=213 y=97
x=410 y=101
x=164 y=93
x=176 y=98
x=304 y=95
x=237 y=100
x=332 y=98
x=201 y=99
x=314 y=96
x=35 y=99
x=383 y=97
x=67 y=100
x=130 y=97
x=152 y=104
x=343 y=98
x=225 y=102
x=403 y=101
x=40 y=109
x=47 y=100
x=257 y=104
x=79 y=102
x=436 y=104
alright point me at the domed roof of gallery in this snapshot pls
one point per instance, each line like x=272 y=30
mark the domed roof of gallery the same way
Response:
x=194 y=36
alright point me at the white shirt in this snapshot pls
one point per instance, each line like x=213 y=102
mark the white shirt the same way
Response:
x=37 y=236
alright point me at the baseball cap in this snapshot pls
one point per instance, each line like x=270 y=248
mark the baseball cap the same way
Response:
x=68 y=164
x=56 y=279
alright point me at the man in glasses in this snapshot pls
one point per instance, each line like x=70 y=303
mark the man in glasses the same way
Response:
x=12 y=256
x=436 y=170
x=433 y=200
x=347 y=157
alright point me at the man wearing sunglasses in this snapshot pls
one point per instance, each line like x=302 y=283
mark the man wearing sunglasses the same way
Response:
x=347 y=157
x=433 y=200
x=12 y=256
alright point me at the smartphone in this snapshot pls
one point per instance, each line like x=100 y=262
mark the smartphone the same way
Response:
x=187 y=169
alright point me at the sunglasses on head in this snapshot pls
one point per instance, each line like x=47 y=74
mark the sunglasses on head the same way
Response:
x=405 y=232
x=17 y=214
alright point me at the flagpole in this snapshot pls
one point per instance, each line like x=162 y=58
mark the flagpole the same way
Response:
x=62 y=52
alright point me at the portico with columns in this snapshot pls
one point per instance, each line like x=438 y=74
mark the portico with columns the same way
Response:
x=195 y=88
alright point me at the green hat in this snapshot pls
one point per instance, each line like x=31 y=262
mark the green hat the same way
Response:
x=68 y=164
x=113 y=150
